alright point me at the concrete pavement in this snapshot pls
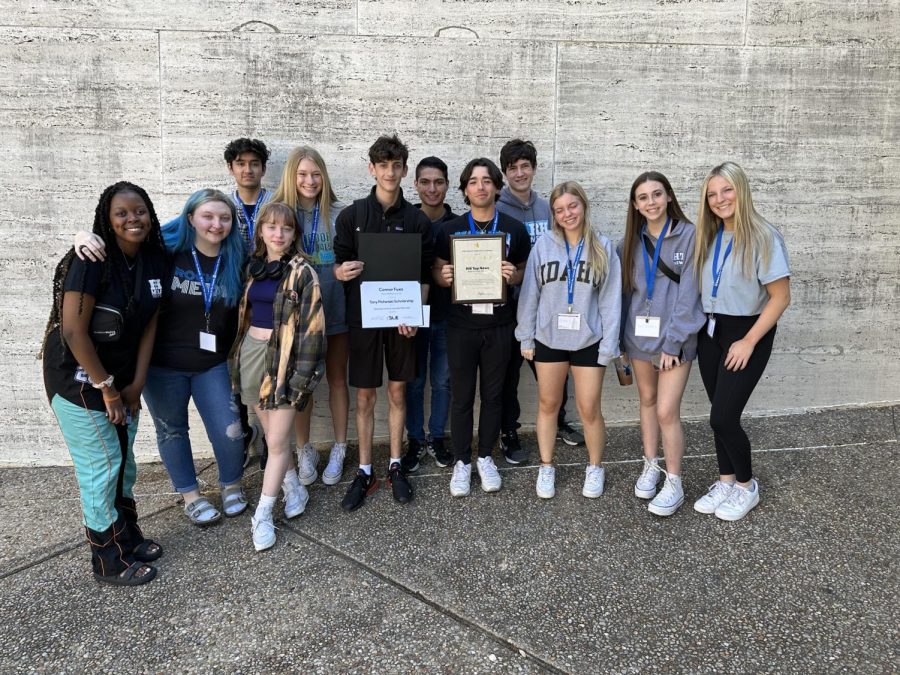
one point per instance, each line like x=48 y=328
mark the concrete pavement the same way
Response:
x=490 y=583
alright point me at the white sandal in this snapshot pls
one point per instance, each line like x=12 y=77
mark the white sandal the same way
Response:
x=234 y=501
x=201 y=512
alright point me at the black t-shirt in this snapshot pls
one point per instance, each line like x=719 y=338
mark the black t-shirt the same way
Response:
x=438 y=296
x=518 y=246
x=181 y=317
x=62 y=374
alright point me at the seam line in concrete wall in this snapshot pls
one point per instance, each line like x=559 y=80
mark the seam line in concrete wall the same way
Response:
x=746 y=20
x=162 y=170
x=555 y=115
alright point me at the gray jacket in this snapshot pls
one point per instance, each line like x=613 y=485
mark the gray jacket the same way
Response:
x=545 y=296
x=676 y=305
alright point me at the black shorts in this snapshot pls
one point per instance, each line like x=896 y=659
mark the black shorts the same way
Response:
x=586 y=357
x=370 y=348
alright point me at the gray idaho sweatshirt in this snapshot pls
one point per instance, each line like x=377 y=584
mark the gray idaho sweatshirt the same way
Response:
x=676 y=305
x=545 y=296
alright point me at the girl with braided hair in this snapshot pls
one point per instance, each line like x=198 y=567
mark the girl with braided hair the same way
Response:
x=96 y=352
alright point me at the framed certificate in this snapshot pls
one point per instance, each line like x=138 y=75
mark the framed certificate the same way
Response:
x=477 y=268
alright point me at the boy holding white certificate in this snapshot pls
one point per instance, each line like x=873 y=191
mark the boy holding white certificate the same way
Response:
x=384 y=211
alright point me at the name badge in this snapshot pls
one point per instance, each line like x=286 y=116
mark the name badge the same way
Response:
x=646 y=326
x=568 y=321
x=711 y=326
x=207 y=342
x=482 y=308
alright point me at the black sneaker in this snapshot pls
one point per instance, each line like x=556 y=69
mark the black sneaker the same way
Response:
x=361 y=487
x=415 y=450
x=442 y=456
x=569 y=435
x=512 y=448
x=400 y=486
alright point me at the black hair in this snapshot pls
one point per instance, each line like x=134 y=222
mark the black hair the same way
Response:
x=114 y=265
x=515 y=150
x=387 y=149
x=239 y=145
x=432 y=163
x=494 y=173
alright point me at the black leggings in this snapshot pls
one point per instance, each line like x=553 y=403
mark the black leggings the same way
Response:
x=469 y=352
x=729 y=390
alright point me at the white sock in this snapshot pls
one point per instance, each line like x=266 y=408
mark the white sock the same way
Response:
x=367 y=468
x=291 y=479
x=392 y=461
x=674 y=479
x=264 y=508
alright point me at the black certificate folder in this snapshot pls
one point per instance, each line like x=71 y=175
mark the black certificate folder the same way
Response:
x=390 y=257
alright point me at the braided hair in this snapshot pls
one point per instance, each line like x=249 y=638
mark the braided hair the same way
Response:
x=113 y=266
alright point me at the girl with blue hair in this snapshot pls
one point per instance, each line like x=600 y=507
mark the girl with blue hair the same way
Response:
x=197 y=325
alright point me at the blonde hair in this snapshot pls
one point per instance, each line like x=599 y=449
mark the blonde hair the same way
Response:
x=287 y=188
x=751 y=235
x=597 y=260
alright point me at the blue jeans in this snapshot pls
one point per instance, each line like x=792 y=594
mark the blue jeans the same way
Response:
x=167 y=393
x=432 y=339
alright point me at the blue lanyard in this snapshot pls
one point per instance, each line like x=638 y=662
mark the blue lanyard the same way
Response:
x=208 y=291
x=572 y=268
x=251 y=219
x=474 y=230
x=309 y=241
x=650 y=272
x=716 y=270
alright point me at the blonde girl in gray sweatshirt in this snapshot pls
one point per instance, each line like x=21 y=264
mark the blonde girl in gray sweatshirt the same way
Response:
x=568 y=318
x=661 y=317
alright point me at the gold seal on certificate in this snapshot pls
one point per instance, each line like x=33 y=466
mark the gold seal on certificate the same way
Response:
x=478 y=268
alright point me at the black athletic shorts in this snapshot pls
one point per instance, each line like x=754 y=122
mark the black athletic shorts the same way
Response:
x=586 y=357
x=371 y=348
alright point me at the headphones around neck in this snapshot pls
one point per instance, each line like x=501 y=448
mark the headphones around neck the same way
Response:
x=261 y=269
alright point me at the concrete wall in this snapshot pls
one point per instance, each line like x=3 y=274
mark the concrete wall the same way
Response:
x=803 y=94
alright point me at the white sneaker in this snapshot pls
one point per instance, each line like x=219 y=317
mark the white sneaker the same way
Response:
x=546 y=482
x=718 y=493
x=335 y=469
x=670 y=498
x=594 y=478
x=294 y=500
x=645 y=487
x=461 y=481
x=308 y=460
x=740 y=501
x=263 y=532
x=490 y=477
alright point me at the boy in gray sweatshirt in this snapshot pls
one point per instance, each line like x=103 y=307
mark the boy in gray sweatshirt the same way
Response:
x=518 y=161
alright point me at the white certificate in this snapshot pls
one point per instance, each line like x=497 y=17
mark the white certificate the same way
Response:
x=387 y=304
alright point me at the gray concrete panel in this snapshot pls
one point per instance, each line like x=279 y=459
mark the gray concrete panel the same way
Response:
x=823 y=22
x=270 y=16
x=456 y=99
x=803 y=123
x=703 y=21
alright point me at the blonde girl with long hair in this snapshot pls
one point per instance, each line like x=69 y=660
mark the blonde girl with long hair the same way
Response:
x=306 y=188
x=662 y=315
x=744 y=274
x=568 y=319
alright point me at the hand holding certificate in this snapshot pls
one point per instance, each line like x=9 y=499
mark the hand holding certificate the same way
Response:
x=478 y=268
x=388 y=304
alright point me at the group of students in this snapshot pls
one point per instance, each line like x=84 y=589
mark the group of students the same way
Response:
x=244 y=302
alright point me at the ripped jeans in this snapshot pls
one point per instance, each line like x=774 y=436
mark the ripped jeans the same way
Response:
x=167 y=393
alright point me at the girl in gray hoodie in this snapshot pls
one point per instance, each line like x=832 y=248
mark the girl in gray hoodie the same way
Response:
x=568 y=317
x=661 y=317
